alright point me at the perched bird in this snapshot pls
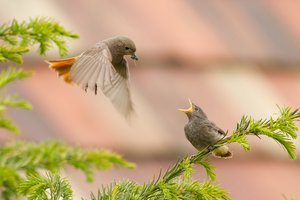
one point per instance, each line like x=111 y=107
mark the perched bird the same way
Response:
x=203 y=133
x=102 y=67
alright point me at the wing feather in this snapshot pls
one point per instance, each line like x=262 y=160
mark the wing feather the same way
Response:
x=86 y=76
x=94 y=70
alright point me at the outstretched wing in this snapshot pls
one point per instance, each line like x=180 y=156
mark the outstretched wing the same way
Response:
x=94 y=71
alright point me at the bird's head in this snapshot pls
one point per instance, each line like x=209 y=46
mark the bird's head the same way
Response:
x=125 y=46
x=194 y=111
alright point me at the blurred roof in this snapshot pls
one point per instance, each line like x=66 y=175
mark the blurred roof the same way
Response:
x=193 y=30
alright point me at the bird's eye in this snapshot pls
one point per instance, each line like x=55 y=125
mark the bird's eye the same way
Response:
x=127 y=48
x=196 y=109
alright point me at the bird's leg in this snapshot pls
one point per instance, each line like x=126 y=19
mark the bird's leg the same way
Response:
x=86 y=87
x=96 y=87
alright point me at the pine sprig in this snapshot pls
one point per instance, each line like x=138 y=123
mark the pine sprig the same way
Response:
x=8 y=124
x=282 y=129
x=209 y=169
x=29 y=158
x=173 y=190
x=89 y=160
x=11 y=74
x=13 y=101
x=7 y=76
x=9 y=181
x=43 y=31
x=51 y=186
x=53 y=155
x=12 y=53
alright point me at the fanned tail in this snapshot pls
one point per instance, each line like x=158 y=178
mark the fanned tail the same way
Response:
x=62 y=67
x=222 y=152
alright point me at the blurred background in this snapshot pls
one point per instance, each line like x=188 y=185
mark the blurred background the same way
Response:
x=229 y=57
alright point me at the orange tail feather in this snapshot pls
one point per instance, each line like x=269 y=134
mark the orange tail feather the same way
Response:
x=62 y=67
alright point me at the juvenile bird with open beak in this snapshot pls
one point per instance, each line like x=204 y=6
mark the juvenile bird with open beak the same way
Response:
x=202 y=133
x=102 y=67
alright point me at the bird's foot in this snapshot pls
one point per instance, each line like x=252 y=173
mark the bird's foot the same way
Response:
x=96 y=88
x=210 y=148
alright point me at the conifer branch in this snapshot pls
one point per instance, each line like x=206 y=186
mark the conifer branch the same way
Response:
x=17 y=37
x=12 y=74
x=7 y=123
x=13 y=101
x=51 y=187
x=170 y=186
x=283 y=130
x=17 y=158
x=12 y=53
x=7 y=76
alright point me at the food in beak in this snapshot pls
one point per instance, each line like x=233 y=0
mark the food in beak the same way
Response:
x=134 y=57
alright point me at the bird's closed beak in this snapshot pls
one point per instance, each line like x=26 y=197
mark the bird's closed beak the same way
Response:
x=189 y=110
x=134 y=57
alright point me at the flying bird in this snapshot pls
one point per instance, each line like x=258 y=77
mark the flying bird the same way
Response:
x=102 y=67
x=203 y=133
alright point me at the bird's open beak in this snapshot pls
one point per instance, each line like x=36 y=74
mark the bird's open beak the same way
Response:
x=190 y=109
x=134 y=57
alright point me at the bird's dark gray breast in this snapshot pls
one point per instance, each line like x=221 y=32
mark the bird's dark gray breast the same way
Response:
x=202 y=133
x=118 y=60
x=120 y=64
